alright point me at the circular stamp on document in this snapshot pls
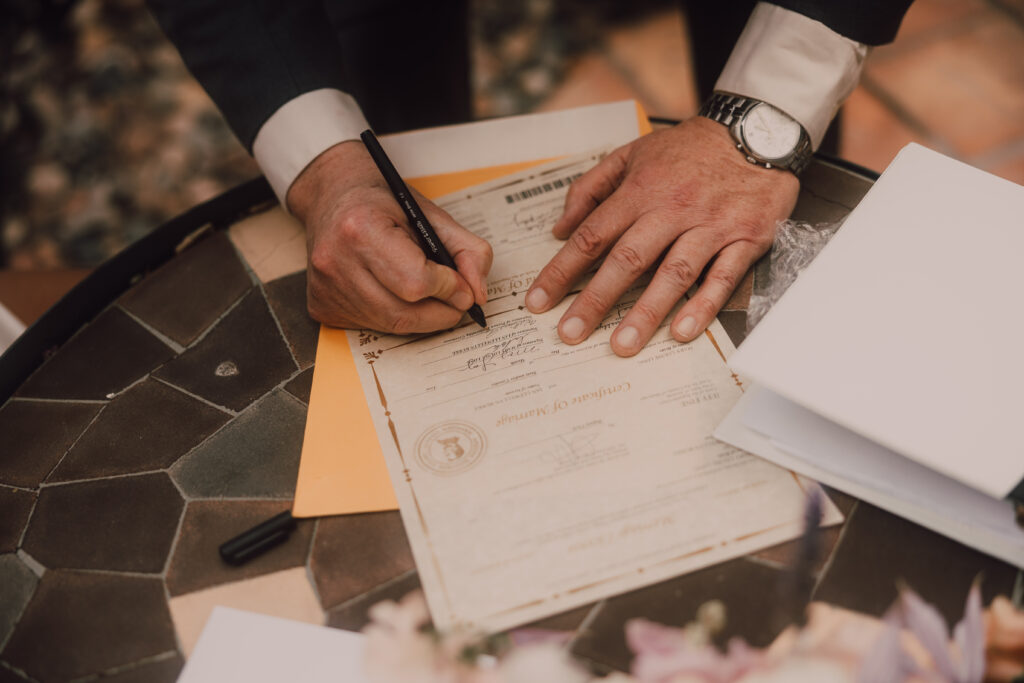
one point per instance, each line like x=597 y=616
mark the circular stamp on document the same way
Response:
x=451 y=447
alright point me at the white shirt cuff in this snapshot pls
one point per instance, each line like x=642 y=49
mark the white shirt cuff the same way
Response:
x=303 y=129
x=796 y=64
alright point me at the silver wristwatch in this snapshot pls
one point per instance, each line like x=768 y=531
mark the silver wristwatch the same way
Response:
x=765 y=134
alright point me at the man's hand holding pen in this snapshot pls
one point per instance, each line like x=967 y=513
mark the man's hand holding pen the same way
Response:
x=366 y=269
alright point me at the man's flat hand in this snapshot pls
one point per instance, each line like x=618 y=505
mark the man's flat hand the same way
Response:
x=685 y=193
x=366 y=269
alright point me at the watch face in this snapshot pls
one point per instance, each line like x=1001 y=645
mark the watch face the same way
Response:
x=769 y=133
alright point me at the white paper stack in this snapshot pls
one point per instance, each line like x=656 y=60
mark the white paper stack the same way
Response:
x=893 y=367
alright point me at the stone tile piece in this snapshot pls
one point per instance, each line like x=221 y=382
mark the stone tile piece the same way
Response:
x=94 y=621
x=17 y=584
x=146 y=428
x=188 y=293
x=748 y=590
x=238 y=361
x=15 y=507
x=158 y=670
x=301 y=386
x=355 y=614
x=124 y=524
x=109 y=354
x=735 y=324
x=355 y=553
x=964 y=88
x=37 y=434
x=255 y=456
x=287 y=594
x=287 y=297
x=879 y=550
x=273 y=243
x=196 y=563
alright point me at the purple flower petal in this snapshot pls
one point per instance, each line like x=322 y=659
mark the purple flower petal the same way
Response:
x=925 y=622
x=969 y=635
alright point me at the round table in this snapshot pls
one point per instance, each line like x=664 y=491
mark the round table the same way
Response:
x=158 y=410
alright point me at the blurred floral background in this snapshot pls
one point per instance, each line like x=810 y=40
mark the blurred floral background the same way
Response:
x=105 y=136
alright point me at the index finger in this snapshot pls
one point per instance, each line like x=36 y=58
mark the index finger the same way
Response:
x=586 y=245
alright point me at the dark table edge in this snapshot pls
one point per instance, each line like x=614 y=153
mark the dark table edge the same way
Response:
x=111 y=279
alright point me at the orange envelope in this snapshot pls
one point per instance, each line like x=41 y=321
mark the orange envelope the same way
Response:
x=342 y=469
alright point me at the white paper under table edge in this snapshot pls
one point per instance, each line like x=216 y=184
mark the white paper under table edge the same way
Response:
x=244 y=646
x=732 y=431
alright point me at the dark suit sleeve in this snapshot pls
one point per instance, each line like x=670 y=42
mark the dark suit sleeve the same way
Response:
x=252 y=56
x=873 y=22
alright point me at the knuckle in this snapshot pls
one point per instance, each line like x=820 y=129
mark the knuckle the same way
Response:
x=321 y=263
x=556 y=274
x=725 y=279
x=353 y=225
x=410 y=287
x=591 y=301
x=705 y=307
x=588 y=242
x=679 y=272
x=628 y=259
x=402 y=322
x=649 y=317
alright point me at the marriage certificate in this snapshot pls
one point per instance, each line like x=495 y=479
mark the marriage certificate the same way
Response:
x=533 y=476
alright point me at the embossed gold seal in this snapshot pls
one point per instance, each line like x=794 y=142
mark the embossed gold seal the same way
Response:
x=450 y=447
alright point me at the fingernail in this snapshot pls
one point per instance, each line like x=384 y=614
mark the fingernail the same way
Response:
x=462 y=300
x=572 y=328
x=536 y=300
x=627 y=337
x=687 y=327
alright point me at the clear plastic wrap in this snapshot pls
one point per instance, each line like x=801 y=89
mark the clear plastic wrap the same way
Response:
x=795 y=246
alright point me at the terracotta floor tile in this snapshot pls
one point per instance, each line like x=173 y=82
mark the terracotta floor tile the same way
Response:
x=255 y=456
x=124 y=524
x=15 y=507
x=591 y=80
x=94 y=621
x=967 y=89
x=287 y=594
x=37 y=434
x=17 y=584
x=879 y=550
x=238 y=361
x=272 y=242
x=160 y=670
x=287 y=298
x=111 y=353
x=146 y=428
x=354 y=614
x=301 y=385
x=927 y=16
x=748 y=591
x=1012 y=169
x=196 y=563
x=188 y=293
x=872 y=134
x=355 y=553
x=655 y=56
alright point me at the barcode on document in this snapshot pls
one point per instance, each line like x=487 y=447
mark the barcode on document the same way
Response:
x=541 y=189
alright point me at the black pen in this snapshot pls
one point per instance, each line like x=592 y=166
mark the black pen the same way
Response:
x=428 y=239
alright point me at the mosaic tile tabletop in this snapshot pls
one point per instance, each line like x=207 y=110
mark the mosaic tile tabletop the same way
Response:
x=174 y=421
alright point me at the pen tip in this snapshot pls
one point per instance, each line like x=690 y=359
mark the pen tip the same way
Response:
x=477 y=314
